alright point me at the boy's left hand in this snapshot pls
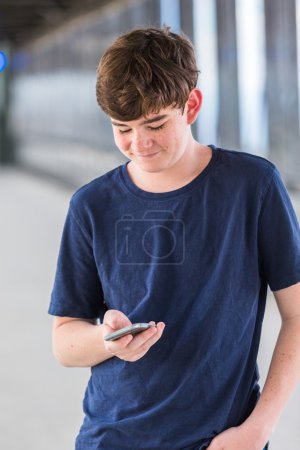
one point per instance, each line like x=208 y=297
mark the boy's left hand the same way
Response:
x=237 y=438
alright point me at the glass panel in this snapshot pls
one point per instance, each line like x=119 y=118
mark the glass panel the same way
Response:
x=252 y=75
x=170 y=14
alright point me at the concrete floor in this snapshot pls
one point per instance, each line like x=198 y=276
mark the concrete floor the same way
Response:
x=40 y=400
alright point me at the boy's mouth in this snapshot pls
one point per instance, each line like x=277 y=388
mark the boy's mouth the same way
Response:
x=148 y=155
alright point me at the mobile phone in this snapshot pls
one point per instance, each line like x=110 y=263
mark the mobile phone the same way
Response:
x=132 y=329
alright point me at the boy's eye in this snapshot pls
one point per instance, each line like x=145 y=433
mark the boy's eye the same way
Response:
x=160 y=127
x=124 y=131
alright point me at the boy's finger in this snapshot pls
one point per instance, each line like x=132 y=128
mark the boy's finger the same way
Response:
x=119 y=344
x=153 y=339
x=149 y=336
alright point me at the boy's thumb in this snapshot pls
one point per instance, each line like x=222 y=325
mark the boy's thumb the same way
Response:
x=115 y=319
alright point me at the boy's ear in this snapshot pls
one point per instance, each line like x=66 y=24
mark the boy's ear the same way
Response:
x=194 y=103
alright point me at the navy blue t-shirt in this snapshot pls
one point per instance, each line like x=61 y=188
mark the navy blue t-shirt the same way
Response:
x=198 y=258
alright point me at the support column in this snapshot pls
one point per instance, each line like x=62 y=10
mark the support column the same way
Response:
x=153 y=13
x=186 y=18
x=187 y=26
x=6 y=150
x=282 y=88
x=228 y=122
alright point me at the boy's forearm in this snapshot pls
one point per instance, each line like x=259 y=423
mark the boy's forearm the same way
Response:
x=283 y=376
x=79 y=344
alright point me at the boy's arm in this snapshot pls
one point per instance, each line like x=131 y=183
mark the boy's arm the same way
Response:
x=283 y=376
x=80 y=343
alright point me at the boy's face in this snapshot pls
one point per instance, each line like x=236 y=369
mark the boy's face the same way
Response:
x=156 y=142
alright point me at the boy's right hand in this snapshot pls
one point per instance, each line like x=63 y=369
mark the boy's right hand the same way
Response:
x=129 y=348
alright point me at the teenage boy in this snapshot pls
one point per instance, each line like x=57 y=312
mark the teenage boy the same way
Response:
x=187 y=236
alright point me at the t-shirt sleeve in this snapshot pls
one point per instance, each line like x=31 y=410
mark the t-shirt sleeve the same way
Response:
x=279 y=236
x=77 y=290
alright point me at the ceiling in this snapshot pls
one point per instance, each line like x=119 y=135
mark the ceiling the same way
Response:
x=21 y=20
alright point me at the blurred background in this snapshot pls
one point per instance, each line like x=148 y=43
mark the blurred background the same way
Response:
x=54 y=138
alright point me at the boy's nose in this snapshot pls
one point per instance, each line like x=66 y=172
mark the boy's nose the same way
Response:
x=141 y=143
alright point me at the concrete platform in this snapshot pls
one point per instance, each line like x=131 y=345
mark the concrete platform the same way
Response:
x=40 y=400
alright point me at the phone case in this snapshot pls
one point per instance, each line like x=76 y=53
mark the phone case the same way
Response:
x=131 y=329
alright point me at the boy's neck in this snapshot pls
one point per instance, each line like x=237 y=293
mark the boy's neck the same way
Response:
x=175 y=177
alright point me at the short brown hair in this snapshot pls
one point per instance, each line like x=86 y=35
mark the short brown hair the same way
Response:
x=144 y=71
